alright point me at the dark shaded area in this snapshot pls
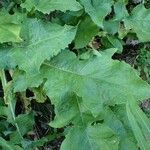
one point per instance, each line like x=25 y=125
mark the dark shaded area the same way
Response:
x=129 y=54
x=1 y=90
x=44 y=113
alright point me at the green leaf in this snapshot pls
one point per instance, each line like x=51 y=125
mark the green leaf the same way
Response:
x=111 y=26
x=14 y=138
x=86 y=31
x=115 y=43
x=139 y=22
x=41 y=41
x=5 y=144
x=71 y=110
x=128 y=143
x=140 y=124
x=39 y=95
x=92 y=81
x=120 y=10
x=25 y=122
x=6 y=60
x=98 y=81
x=71 y=17
x=3 y=111
x=9 y=28
x=118 y=124
x=96 y=137
x=66 y=110
x=22 y=81
x=97 y=9
x=46 y=6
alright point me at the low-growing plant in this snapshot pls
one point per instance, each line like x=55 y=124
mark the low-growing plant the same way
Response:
x=61 y=80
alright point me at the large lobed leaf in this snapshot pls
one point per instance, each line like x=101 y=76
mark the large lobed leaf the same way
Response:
x=41 y=41
x=98 y=81
x=46 y=6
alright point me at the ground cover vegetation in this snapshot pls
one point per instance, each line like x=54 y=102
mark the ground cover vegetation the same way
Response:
x=74 y=74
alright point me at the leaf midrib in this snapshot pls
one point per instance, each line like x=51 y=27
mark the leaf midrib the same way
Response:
x=81 y=75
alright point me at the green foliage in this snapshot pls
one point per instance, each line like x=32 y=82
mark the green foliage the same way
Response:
x=46 y=6
x=38 y=46
x=95 y=137
x=140 y=124
x=84 y=35
x=59 y=53
x=9 y=28
x=138 y=21
x=143 y=63
x=97 y=9
x=90 y=80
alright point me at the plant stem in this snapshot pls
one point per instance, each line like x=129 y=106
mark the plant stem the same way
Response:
x=4 y=82
x=8 y=98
